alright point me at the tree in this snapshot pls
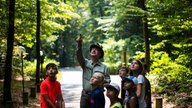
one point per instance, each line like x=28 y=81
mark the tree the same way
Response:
x=38 y=44
x=145 y=34
x=8 y=65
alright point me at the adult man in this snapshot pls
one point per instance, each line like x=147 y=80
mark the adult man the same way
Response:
x=89 y=67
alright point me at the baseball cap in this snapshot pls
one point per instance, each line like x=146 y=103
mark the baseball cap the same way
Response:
x=113 y=85
x=96 y=45
x=131 y=78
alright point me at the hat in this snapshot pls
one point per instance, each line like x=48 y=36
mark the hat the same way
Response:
x=96 y=45
x=131 y=78
x=113 y=85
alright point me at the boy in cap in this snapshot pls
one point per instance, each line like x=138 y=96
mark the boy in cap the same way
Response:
x=131 y=100
x=112 y=93
x=89 y=67
x=97 y=98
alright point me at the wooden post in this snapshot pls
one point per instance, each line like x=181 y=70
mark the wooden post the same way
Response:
x=38 y=88
x=33 y=92
x=158 y=102
x=25 y=98
x=9 y=104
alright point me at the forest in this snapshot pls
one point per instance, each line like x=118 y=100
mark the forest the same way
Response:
x=158 y=32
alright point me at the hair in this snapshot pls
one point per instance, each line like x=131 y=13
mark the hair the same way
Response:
x=101 y=77
x=124 y=68
x=145 y=66
x=53 y=65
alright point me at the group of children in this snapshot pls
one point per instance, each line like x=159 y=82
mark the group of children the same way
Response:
x=132 y=90
x=138 y=95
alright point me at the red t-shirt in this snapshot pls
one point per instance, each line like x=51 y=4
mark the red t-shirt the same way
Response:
x=52 y=89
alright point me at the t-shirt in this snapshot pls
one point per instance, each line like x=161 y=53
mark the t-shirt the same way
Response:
x=117 y=104
x=128 y=98
x=141 y=99
x=52 y=89
x=97 y=99
x=90 y=69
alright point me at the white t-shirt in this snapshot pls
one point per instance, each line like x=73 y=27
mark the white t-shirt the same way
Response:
x=141 y=80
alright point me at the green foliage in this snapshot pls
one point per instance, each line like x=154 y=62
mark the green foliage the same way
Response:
x=168 y=75
x=52 y=16
x=118 y=26
x=169 y=17
x=4 y=19
x=30 y=68
x=113 y=50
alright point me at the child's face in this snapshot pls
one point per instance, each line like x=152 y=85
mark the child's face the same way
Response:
x=95 y=80
x=134 y=65
x=111 y=92
x=128 y=85
x=51 y=72
x=122 y=72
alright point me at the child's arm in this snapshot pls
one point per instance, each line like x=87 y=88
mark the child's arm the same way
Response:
x=133 y=102
x=48 y=101
x=139 y=90
x=61 y=101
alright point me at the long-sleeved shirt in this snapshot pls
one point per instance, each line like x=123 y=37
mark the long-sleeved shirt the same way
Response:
x=89 y=69
x=97 y=99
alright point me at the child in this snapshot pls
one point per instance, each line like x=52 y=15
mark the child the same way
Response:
x=136 y=69
x=131 y=100
x=112 y=93
x=123 y=71
x=97 y=99
x=50 y=89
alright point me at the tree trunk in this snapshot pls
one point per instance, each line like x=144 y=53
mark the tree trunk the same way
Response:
x=38 y=44
x=147 y=49
x=8 y=65
x=146 y=37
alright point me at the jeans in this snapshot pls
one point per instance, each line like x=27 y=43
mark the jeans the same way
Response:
x=85 y=98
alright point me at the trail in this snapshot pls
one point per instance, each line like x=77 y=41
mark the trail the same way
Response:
x=71 y=85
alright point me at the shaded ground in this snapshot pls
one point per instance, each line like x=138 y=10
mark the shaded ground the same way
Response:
x=17 y=94
x=71 y=81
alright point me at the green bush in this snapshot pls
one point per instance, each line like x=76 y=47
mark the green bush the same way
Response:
x=113 y=50
x=30 y=69
x=168 y=75
x=113 y=68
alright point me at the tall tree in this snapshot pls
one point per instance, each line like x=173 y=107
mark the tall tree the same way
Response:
x=38 y=44
x=145 y=34
x=8 y=65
